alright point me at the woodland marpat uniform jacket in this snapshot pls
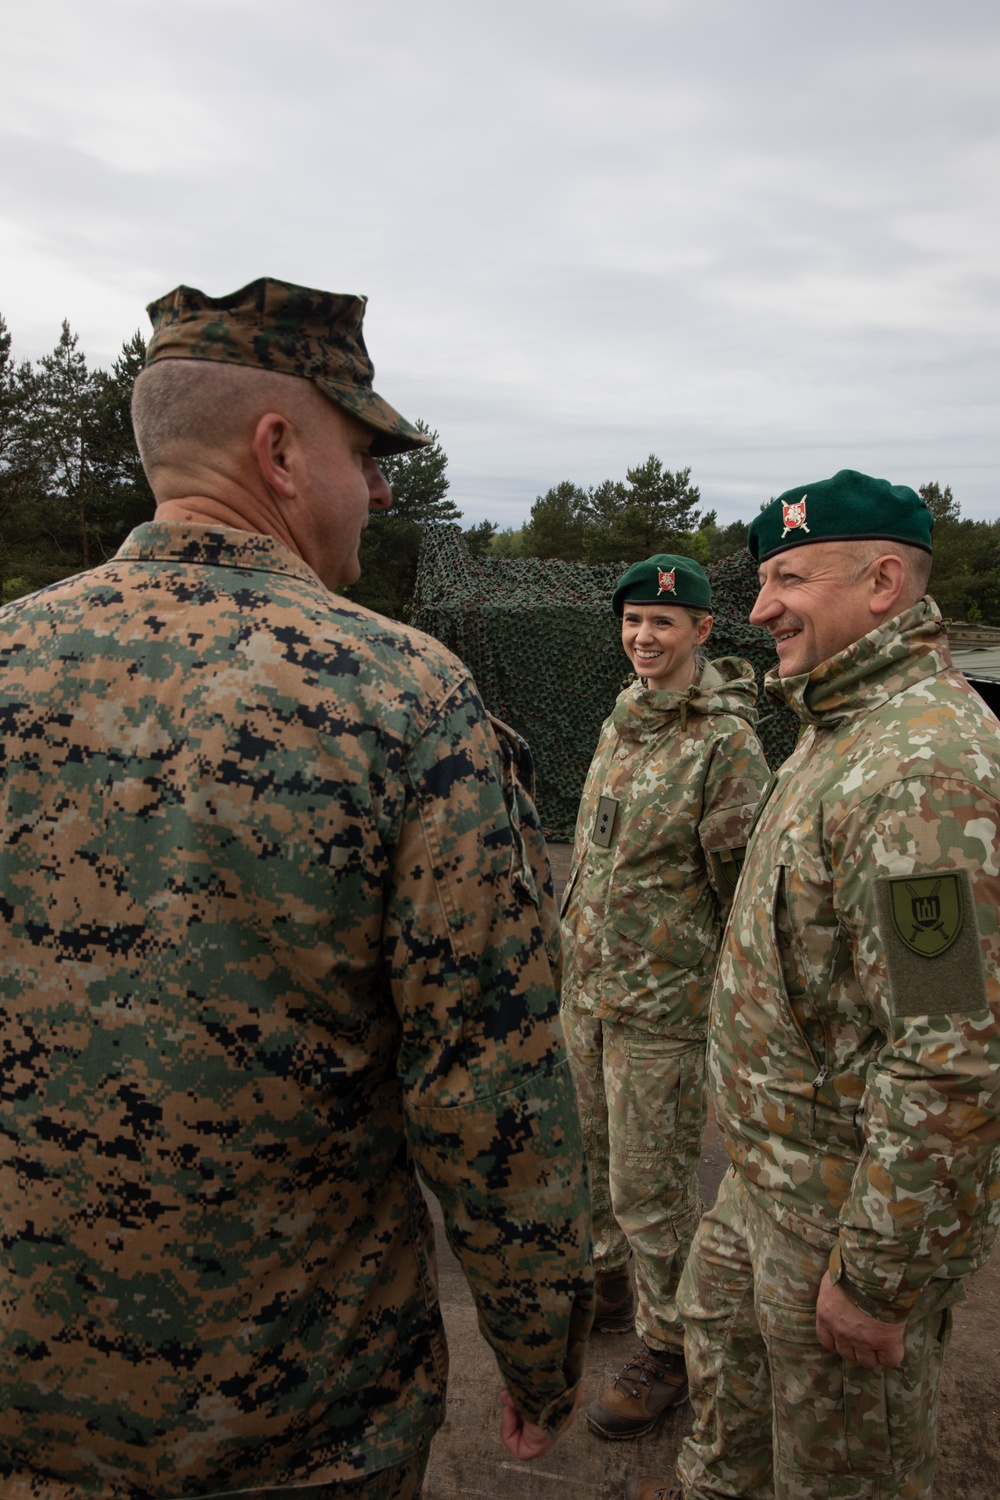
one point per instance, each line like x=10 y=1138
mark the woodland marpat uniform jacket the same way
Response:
x=659 y=838
x=854 y=1049
x=273 y=934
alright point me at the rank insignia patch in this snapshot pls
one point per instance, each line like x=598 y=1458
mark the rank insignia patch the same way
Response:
x=926 y=912
x=604 y=823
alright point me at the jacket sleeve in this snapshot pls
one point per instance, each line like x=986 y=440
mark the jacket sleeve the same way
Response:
x=918 y=888
x=490 y=1110
x=736 y=776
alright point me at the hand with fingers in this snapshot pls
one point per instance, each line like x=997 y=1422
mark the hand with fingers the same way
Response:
x=857 y=1337
x=523 y=1439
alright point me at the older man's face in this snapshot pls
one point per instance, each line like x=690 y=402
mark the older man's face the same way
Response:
x=344 y=483
x=809 y=607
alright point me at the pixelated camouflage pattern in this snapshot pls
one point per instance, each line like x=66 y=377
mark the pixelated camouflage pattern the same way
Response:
x=643 y=1103
x=642 y=917
x=292 y=330
x=776 y=1414
x=270 y=943
x=837 y=1106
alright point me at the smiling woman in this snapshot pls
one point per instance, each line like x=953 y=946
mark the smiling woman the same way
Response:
x=662 y=640
x=659 y=840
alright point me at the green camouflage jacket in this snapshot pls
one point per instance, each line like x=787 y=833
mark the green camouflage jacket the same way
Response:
x=275 y=932
x=854 y=1050
x=659 y=837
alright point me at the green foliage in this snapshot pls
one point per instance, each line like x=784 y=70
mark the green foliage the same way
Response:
x=620 y=521
x=71 y=485
x=479 y=538
x=722 y=541
x=509 y=542
x=651 y=512
x=20 y=466
x=941 y=503
x=965 y=576
x=558 y=524
x=119 y=497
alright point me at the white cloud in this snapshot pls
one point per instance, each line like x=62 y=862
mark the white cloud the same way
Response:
x=759 y=239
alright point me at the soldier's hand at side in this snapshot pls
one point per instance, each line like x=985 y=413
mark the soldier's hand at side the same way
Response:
x=863 y=1340
x=524 y=1439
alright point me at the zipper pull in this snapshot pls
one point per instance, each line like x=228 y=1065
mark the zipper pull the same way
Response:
x=817 y=1084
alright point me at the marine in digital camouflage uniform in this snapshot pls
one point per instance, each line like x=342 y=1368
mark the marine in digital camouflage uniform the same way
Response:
x=277 y=932
x=854 y=1052
x=662 y=824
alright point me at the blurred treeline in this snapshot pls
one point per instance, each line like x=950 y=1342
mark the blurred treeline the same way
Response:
x=72 y=487
x=71 y=484
x=653 y=510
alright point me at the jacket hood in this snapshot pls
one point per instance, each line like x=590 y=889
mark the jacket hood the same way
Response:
x=725 y=686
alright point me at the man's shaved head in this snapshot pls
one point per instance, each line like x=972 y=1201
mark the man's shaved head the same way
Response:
x=186 y=409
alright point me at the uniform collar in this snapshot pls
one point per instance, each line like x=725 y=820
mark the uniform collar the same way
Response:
x=212 y=546
x=859 y=679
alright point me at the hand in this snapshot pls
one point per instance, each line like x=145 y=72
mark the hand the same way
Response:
x=524 y=1439
x=856 y=1337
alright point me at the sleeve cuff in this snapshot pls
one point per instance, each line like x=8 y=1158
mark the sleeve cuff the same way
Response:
x=873 y=1306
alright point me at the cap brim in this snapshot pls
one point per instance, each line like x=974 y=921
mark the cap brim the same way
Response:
x=393 y=433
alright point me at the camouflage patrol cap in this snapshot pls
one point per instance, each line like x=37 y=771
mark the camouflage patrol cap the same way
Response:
x=293 y=330
x=850 y=507
x=663 y=579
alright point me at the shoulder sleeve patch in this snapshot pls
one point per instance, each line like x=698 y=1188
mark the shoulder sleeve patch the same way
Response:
x=927 y=925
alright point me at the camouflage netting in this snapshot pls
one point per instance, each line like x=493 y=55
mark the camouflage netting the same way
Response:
x=545 y=650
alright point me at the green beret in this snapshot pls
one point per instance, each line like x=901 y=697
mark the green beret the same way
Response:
x=663 y=579
x=850 y=507
x=294 y=330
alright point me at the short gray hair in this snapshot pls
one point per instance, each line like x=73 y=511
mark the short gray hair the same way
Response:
x=916 y=562
x=184 y=404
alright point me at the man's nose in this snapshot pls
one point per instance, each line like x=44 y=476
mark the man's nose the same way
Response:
x=767 y=607
x=379 y=493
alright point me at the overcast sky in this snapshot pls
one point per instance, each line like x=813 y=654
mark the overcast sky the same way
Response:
x=756 y=237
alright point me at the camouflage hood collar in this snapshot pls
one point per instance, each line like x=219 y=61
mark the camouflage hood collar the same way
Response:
x=868 y=673
x=726 y=686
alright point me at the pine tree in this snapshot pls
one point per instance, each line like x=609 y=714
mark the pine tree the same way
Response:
x=20 y=467
x=120 y=496
x=558 y=523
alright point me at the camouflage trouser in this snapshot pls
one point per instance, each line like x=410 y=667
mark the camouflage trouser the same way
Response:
x=401 y=1482
x=776 y=1415
x=642 y=1102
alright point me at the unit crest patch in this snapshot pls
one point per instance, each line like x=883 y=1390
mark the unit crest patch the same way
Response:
x=926 y=912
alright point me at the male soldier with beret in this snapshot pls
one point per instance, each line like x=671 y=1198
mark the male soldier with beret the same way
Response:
x=276 y=931
x=854 y=1045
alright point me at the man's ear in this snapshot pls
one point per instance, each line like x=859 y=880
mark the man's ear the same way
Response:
x=273 y=441
x=888 y=586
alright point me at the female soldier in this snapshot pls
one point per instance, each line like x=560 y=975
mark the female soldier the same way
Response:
x=659 y=840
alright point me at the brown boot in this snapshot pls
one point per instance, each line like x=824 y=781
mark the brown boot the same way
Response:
x=650 y=1383
x=615 y=1302
x=654 y=1489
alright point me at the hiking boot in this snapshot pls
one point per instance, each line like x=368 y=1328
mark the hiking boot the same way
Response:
x=650 y=1383
x=654 y=1489
x=615 y=1302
